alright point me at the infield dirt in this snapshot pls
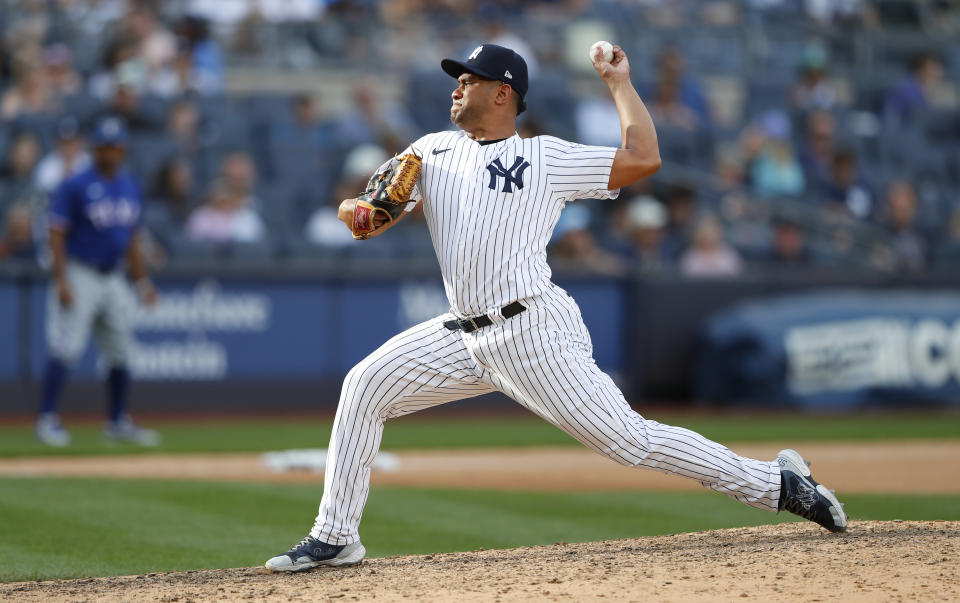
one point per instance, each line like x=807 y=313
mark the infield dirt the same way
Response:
x=914 y=467
x=873 y=561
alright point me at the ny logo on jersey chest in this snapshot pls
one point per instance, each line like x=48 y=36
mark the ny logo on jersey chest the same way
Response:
x=511 y=176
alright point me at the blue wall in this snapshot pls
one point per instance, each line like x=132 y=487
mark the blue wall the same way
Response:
x=663 y=338
x=9 y=344
x=257 y=329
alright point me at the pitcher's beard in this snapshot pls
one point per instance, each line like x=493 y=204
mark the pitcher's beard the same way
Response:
x=462 y=117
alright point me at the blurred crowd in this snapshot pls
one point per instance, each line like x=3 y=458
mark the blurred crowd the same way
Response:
x=793 y=133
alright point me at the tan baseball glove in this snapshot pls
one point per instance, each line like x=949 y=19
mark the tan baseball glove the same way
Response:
x=386 y=194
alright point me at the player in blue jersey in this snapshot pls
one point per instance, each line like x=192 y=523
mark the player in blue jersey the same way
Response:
x=94 y=221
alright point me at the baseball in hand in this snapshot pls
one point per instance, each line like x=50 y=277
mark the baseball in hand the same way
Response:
x=605 y=47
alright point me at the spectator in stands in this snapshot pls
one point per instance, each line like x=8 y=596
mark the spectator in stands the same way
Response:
x=372 y=119
x=910 y=244
x=789 y=243
x=155 y=49
x=92 y=17
x=62 y=77
x=710 y=255
x=182 y=77
x=845 y=192
x=226 y=217
x=291 y=11
x=912 y=94
x=183 y=127
x=816 y=153
x=747 y=219
x=117 y=52
x=845 y=14
x=677 y=101
x=596 y=117
x=646 y=218
x=68 y=158
x=305 y=127
x=574 y=246
x=729 y=185
x=17 y=240
x=223 y=14
x=142 y=54
x=170 y=199
x=156 y=45
x=681 y=207
x=499 y=31
x=239 y=175
x=323 y=226
x=775 y=171
x=30 y=93
x=126 y=102
x=813 y=91
x=203 y=50
x=16 y=171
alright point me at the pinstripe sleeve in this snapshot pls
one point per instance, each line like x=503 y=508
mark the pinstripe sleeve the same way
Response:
x=577 y=171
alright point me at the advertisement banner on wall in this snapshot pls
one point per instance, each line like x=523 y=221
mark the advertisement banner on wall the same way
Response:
x=835 y=350
x=214 y=330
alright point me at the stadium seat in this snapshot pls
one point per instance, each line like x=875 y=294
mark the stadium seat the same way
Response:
x=764 y=95
x=81 y=105
x=247 y=253
x=716 y=51
x=147 y=154
x=43 y=126
x=187 y=248
x=946 y=255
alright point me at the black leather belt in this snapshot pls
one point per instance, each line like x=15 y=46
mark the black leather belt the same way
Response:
x=469 y=325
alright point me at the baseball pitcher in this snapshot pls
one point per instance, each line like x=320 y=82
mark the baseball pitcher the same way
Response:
x=491 y=201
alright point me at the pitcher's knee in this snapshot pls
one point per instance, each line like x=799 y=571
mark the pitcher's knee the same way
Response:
x=625 y=456
x=363 y=391
x=627 y=451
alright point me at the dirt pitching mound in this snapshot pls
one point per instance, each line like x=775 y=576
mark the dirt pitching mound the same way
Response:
x=796 y=562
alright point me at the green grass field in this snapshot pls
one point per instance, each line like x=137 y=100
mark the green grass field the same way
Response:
x=62 y=528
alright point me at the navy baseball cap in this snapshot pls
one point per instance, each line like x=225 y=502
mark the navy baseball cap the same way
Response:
x=110 y=131
x=494 y=63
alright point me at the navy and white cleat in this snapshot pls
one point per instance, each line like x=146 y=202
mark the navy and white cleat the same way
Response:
x=310 y=553
x=803 y=496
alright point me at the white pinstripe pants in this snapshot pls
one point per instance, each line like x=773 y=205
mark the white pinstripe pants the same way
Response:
x=542 y=358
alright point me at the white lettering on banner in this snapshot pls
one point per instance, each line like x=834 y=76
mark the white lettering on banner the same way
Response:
x=179 y=360
x=853 y=354
x=205 y=309
x=420 y=302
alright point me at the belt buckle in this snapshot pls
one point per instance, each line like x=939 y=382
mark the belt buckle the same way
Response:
x=472 y=322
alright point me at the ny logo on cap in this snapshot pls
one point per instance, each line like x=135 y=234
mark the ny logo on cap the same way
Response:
x=475 y=52
x=497 y=170
x=508 y=74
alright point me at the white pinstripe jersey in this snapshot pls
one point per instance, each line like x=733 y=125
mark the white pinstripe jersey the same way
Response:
x=492 y=208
